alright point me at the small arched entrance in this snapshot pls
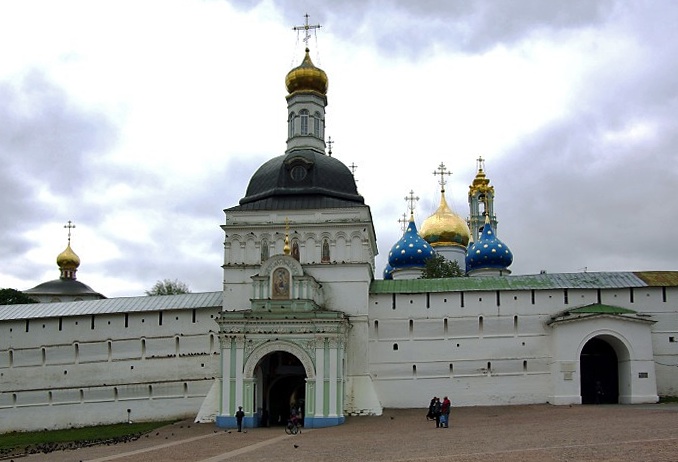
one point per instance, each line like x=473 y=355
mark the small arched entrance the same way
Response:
x=599 y=367
x=283 y=386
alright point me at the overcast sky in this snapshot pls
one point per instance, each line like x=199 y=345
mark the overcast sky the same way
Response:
x=142 y=121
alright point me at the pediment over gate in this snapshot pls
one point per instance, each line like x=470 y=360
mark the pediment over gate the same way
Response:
x=283 y=285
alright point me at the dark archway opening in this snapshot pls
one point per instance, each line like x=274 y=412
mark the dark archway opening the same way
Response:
x=599 y=373
x=284 y=385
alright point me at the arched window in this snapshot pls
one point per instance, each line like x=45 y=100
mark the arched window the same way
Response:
x=264 y=250
x=290 y=125
x=316 y=125
x=304 y=121
x=325 y=258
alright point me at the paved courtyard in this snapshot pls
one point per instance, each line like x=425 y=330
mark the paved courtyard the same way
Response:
x=540 y=433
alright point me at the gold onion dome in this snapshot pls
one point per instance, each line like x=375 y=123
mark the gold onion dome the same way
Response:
x=68 y=259
x=445 y=228
x=306 y=77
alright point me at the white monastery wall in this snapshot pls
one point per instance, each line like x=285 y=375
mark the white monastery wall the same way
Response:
x=85 y=370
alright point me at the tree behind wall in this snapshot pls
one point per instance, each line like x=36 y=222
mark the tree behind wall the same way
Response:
x=438 y=266
x=168 y=287
x=14 y=297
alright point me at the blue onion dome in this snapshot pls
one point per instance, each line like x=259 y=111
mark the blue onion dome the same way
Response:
x=388 y=272
x=411 y=250
x=488 y=251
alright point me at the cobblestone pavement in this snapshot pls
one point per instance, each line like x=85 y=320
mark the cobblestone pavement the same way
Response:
x=541 y=433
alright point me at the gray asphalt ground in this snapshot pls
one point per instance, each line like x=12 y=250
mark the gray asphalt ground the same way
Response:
x=541 y=433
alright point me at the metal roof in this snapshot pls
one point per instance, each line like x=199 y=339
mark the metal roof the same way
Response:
x=112 y=305
x=529 y=282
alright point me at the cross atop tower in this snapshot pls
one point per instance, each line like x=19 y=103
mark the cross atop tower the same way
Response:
x=411 y=200
x=70 y=226
x=442 y=171
x=306 y=28
x=480 y=163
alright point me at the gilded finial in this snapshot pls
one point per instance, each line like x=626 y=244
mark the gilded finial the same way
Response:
x=286 y=249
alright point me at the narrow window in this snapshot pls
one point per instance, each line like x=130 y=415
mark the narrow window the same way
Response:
x=160 y=318
x=451 y=369
x=143 y=348
x=664 y=294
x=630 y=294
x=599 y=296
x=515 y=323
x=290 y=125
x=304 y=121
x=395 y=347
x=376 y=327
x=462 y=299
x=91 y=322
x=27 y=325
x=524 y=366
x=480 y=323
x=411 y=326
x=110 y=350
x=532 y=295
x=76 y=347
x=44 y=356
x=393 y=302
x=498 y=298
x=445 y=325
x=126 y=320
x=566 y=299
x=316 y=124
x=428 y=300
x=11 y=358
x=193 y=316
x=61 y=323
x=414 y=370
x=489 y=367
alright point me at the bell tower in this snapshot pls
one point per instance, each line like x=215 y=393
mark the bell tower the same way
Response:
x=481 y=202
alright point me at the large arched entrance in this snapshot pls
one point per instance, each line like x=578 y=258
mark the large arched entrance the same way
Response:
x=282 y=379
x=599 y=373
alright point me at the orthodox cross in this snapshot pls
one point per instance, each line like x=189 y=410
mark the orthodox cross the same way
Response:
x=442 y=171
x=353 y=168
x=480 y=162
x=330 y=143
x=403 y=222
x=306 y=28
x=411 y=201
x=70 y=226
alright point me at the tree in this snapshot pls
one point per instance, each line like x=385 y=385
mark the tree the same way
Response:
x=14 y=297
x=438 y=266
x=168 y=287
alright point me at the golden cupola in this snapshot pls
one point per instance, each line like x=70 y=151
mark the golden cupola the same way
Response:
x=445 y=228
x=68 y=262
x=306 y=77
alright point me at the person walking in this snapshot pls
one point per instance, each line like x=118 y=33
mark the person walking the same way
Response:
x=445 y=412
x=238 y=417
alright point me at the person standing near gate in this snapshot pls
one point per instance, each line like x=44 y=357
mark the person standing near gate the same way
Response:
x=238 y=417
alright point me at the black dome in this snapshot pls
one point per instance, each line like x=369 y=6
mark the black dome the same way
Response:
x=62 y=287
x=299 y=180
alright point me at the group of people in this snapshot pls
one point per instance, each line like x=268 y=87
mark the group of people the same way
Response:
x=439 y=411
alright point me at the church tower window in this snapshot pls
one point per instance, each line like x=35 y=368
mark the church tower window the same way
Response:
x=304 y=121
x=316 y=125
x=290 y=125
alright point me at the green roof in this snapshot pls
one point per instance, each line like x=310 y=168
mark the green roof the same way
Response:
x=607 y=280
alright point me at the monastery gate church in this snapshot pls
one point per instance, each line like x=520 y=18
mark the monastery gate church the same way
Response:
x=305 y=321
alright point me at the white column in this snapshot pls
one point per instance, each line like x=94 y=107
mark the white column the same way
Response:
x=319 y=377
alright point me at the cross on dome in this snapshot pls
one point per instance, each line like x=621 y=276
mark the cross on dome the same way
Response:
x=70 y=226
x=306 y=28
x=442 y=171
x=403 y=222
x=411 y=200
x=329 y=144
x=480 y=163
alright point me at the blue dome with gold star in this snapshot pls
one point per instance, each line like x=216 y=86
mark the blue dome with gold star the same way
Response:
x=488 y=252
x=411 y=250
x=388 y=272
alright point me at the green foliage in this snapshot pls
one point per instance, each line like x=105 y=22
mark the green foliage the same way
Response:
x=438 y=266
x=14 y=297
x=99 y=433
x=168 y=287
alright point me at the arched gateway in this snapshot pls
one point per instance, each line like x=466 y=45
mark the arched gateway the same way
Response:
x=286 y=350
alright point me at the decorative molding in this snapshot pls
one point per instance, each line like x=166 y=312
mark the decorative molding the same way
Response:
x=260 y=352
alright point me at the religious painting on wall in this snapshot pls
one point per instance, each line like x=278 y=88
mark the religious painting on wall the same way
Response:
x=325 y=258
x=281 y=283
